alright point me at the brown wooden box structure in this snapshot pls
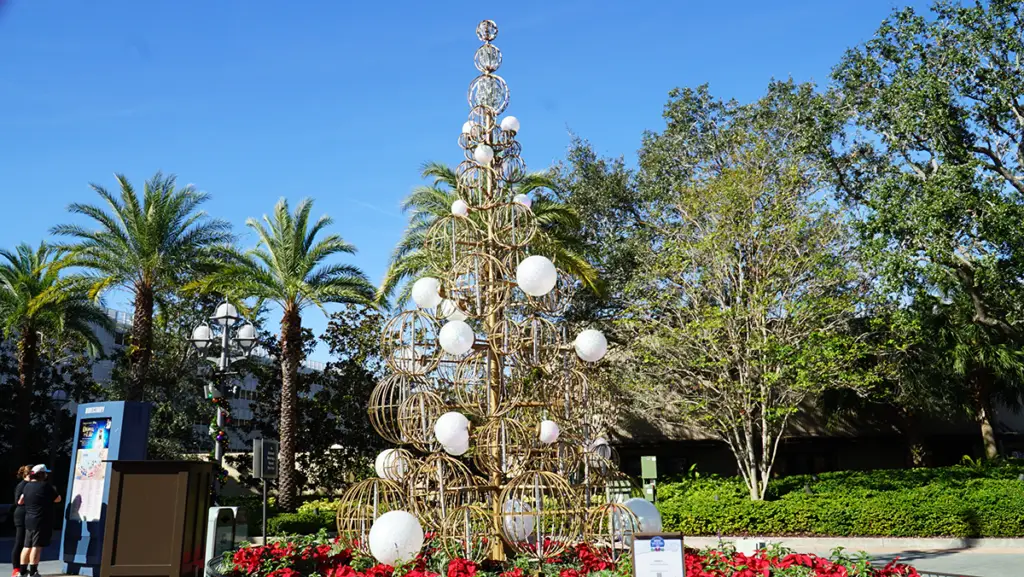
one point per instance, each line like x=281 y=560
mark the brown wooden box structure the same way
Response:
x=156 y=519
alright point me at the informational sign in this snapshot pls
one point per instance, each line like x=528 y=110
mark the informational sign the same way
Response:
x=90 y=469
x=264 y=458
x=658 y=555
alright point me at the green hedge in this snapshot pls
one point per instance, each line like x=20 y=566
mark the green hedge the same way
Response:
x=963 y=501
x=302 y=522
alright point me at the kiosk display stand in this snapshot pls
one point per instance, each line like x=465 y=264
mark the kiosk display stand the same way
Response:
x=103 y=432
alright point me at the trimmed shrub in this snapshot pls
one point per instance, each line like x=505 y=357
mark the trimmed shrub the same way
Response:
x=950 y=502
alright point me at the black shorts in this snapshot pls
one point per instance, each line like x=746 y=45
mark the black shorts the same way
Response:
x=38 y=537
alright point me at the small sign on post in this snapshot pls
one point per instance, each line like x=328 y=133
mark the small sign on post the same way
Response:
x=264 y=466
x=658 y=555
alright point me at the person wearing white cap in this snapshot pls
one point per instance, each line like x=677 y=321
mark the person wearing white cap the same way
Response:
x=37 y=497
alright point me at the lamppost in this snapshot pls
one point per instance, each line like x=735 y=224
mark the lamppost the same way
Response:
x=225 y=321
x=58 y=399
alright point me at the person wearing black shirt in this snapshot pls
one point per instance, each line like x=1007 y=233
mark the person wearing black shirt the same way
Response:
x=38 y=497
x=18 y=513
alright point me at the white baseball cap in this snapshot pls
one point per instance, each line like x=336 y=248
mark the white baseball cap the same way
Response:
x=40 y=469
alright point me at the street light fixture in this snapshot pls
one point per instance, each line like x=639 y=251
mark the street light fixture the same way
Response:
x=232 y=349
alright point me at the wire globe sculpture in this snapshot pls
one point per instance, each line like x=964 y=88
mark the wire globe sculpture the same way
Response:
x=361 y=505
x=609 y=529
x=501 y=485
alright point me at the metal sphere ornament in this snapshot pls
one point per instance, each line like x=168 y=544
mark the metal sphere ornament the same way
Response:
x=536 y=275
x=456 y=337
x=396 y=536
x=483 y=154
x=363 y=504
x=460 y=208
x=549 y=432
x=510 y=124
x=426 y=292
x=646 y=513
x=591 y=345
x=392 y=464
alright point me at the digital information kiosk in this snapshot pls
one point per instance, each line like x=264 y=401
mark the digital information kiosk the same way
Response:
x=103 y=432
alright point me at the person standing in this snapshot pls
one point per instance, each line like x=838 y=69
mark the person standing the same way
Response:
x=38 y=497
x=18 y=514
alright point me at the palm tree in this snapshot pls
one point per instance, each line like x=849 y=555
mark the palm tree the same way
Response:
x=557 y=238
x=288 y=268
x=147 y=246
x=36 y=302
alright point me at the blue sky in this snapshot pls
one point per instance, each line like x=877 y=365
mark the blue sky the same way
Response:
x=343 y=101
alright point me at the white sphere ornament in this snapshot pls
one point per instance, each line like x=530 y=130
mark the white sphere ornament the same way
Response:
x=591 y=345
x=467 y=127
x=451 y=428
x=449 y=311
x=510 y=124
x=523 y=200
x=426 y=292
x=456 y=338
x=518 y=528
x=460 y=208
x=390 y=465
x=549 y=432
x=459 y=446
x=646 y=513
x=396 y=536
x=483 y=154
x=536 y=275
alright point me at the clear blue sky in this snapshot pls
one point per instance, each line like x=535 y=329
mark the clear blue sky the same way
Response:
x=343 y=101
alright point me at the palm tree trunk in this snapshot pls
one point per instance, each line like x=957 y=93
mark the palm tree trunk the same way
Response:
x=291 y=355
x=142 y=342
x=28 y=351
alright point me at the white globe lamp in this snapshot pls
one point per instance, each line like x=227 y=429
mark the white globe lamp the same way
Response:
x=467 y=127
x=646 y=513
x=456 y=338
x=459 y=446
x=449 y=311
x=549 y=432
x=536 y=275
x=518 y=528
x=483 y=154
x=390 y=465
x=510 y=124
x=451 y=428
x=591 y=345
x=460 y=208
x=523 y=200
x=396 y=536
x=426 y=292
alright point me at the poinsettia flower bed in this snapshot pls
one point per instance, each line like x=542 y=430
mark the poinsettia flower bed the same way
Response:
x=319 y=556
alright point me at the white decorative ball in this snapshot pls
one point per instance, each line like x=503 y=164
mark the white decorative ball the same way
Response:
x=456 y=337
x=549 y=432
x=449 y=311
x=396 y=536
x=467 y=127
x=390 y=465
x=646 y=513
x=536 y=275
x=451 y=427
x=483 y=154
x=426 y=292
x=591 y=345
x=510 y=124
x=523 y=200
x=460 y=208
x=458 y=446
x=518 y=528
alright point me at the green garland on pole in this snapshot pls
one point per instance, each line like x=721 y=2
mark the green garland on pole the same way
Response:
x=218 y=434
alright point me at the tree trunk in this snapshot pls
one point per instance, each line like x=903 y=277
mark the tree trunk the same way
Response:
x=142 y=342
x=28 y=351
x=917 y=453
x=291 y=355
x=983 y=412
